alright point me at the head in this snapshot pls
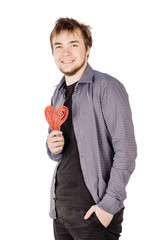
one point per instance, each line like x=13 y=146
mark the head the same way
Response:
x=71 y=25
x=70 y=43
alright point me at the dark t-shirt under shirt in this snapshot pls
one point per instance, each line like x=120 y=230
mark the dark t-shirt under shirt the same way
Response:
x=71 y=189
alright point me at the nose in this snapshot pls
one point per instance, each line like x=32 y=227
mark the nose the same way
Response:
x=66 y=52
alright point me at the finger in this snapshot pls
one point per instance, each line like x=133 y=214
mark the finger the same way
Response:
x=58 y=150
x=55 y=133
x=55 y=149
x=53 y=139
x=89 y=212
x=57 y=139
x=57 y=144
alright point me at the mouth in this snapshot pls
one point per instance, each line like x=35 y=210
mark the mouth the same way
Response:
x=67 y=61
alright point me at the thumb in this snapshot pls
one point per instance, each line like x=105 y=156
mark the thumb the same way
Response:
x=89 y=212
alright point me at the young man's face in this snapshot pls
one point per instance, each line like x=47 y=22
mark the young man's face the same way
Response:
x=70 y=53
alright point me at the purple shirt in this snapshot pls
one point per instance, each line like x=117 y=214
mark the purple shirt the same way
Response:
x=104 y=132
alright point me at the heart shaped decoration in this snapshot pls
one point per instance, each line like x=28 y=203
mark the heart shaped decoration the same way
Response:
x=56 y=118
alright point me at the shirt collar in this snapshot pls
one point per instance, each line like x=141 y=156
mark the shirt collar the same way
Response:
x=87 y=77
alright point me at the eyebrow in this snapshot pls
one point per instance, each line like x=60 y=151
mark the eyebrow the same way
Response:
x=59 y=43
x=75 y=41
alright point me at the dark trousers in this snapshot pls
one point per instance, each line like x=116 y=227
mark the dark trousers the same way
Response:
x=71 y=225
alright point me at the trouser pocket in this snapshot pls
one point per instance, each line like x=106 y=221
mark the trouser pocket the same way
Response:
x=96 y=219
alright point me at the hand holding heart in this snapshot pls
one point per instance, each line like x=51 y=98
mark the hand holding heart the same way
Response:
x=55 y=119
x=55 y=141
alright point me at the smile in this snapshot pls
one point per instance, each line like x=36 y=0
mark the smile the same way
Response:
x=67 y=61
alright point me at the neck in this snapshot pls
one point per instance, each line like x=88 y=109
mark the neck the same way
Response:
x=72 y=79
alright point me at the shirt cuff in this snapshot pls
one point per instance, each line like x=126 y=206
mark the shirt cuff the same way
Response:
x=109 y=204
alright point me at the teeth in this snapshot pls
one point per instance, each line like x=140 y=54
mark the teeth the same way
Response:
x=67 y=61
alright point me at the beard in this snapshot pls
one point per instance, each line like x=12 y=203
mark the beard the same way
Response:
x=74 y=70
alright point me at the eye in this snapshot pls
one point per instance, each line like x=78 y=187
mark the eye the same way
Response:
x=74 y=45
x=57 y=47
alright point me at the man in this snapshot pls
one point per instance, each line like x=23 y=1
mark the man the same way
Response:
x=95 y=148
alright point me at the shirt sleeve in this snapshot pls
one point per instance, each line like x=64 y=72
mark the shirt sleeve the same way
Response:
x=118 y=118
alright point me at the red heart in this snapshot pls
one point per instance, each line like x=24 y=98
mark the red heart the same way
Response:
x=56 y=118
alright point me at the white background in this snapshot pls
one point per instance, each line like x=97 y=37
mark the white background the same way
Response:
x=126 y=45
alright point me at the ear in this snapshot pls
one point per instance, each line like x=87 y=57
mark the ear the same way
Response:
x=88 y=52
